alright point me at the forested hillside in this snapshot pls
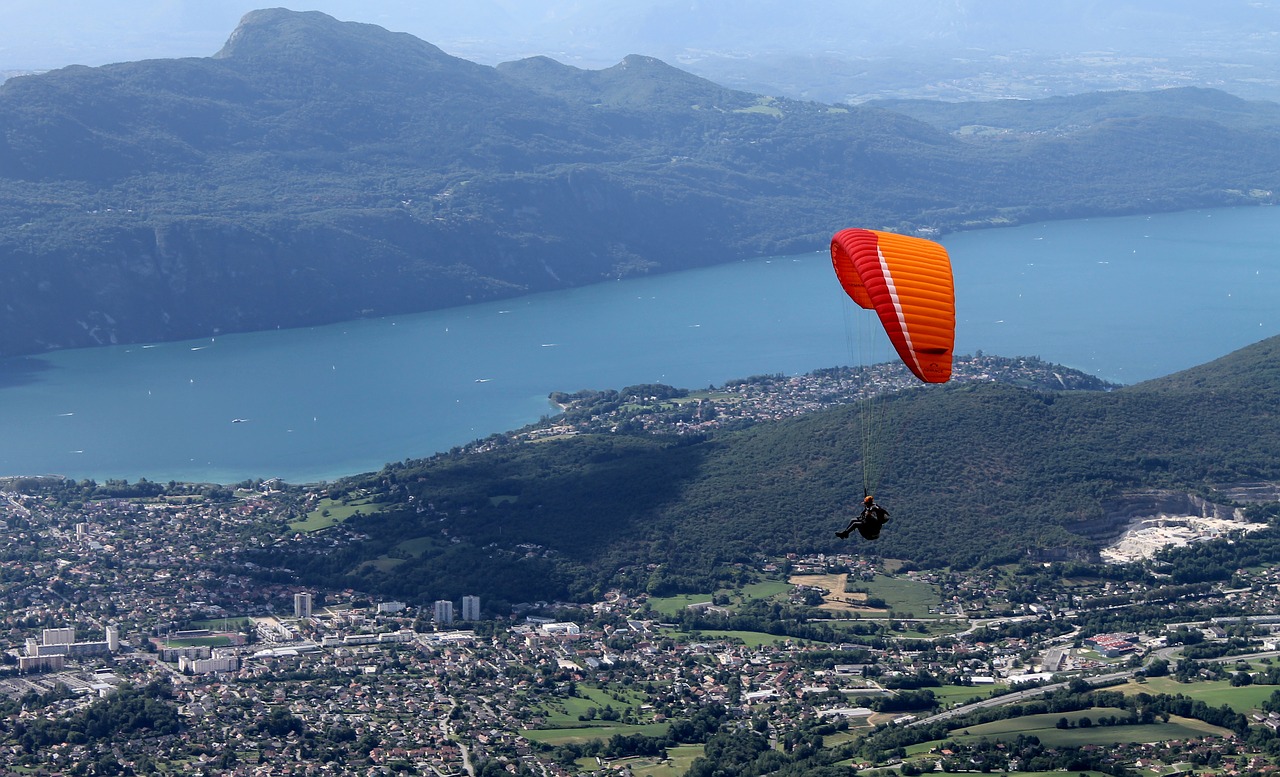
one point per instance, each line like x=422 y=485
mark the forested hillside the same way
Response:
x=315 y=171
x=980 y=473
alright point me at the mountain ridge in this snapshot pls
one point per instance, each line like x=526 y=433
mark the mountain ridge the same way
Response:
x=317 y=171
x=981 y=474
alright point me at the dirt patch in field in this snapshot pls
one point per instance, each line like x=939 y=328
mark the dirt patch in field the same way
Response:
x=834 y=596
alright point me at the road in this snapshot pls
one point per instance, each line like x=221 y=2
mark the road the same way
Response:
x=1102 y=679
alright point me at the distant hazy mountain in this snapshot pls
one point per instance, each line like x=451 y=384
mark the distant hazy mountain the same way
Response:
x=826 y=50
x=316 y=171
x=978 y=474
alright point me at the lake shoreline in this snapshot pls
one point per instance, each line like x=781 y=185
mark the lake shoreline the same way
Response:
x=1105 y=296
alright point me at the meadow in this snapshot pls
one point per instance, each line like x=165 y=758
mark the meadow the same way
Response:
x=1215 y=693
x=751 y=639
x=950 y=695
x=671 y=606
x=330 y=512
x=903 y=596
x=585 y=732
x=677 y=762
x=576 y=719
x=1045 y=726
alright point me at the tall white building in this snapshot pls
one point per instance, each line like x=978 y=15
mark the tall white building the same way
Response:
x=471 y=608
x=207 y=665
x=63 y=636
x=444 y=612
x=302 y=605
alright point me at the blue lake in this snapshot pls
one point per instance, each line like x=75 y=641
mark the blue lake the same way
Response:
x=1127 y=299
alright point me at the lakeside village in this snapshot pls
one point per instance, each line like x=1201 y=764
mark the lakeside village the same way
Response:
x=763 y=398
x=144 y=598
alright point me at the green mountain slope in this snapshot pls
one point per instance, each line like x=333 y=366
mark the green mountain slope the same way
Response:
x=316 y=171
x=1063 y=114
x=980 y=473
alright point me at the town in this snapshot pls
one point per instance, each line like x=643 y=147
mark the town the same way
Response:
x=763 y=398
x=142 y=596
x=118 y=593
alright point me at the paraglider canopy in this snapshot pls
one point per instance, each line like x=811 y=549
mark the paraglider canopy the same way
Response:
x=907 y=282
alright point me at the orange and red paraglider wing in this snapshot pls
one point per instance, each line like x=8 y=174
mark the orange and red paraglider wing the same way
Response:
x=907 y=281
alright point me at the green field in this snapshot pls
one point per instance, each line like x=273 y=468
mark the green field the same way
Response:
x=679 y=759
x=928 y=765
x=329 y=512
x=677 y=762
x=565 y=712
x=585 y=733
x=751 y=639
x=1214 y=693
x=416 y=546
x=766 y=589
x=1049 y=774
x=562 y=717
x=948 y=695
x=214 y=641
x=384 y=563
x=926 y=628
x=858 y=728
x=1045 y=727
x=904 y=596
x=236 y=623
x=673 y=605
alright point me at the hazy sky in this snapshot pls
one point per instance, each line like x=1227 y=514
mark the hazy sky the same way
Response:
x=43 y=34
x=39 y=34
x=704 y=36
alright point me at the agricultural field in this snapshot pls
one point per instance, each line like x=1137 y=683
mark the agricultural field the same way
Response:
x=904 y=597
x=1215 y=693
x=835 y=599
x=1045 y=727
